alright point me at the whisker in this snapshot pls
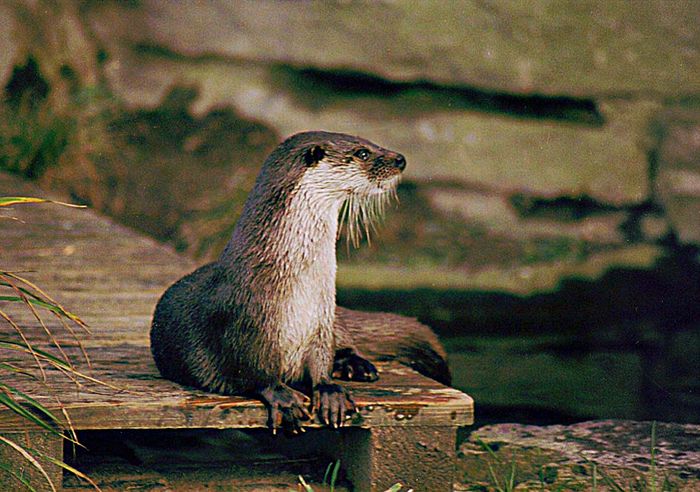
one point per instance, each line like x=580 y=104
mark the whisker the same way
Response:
x=363 y=212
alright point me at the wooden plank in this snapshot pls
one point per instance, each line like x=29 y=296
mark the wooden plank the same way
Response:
x=142 y=399
x=112 y=277
x=420 y=458
x=177 y=460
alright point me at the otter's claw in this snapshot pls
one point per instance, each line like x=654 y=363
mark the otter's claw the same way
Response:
x=333 y=404
x=286 y=407
x=349 y=366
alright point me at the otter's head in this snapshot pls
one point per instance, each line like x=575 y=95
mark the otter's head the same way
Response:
x=347 y=170
x=343 y=165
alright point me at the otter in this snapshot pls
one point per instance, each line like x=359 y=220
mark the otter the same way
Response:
x=262 y=319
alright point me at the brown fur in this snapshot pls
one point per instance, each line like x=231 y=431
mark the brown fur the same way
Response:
x=263 y=316
x=387 y=336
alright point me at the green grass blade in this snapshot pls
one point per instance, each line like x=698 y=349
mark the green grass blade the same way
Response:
x=6 y=468
x=64 y=465
x=25 y=343
x=74 y=471
x=31 y=459
x=306 y=486
x=595 y=478
x=35 y=302
x=606 y=478
x=653 y=456
x=610 y=482
x=492 y=473
x=32 y=402
x=47 y=298
x=334 y=475
x=511 y=478
x=481 y=443
x=25 y=291
x=57 y=362
x=328 y=472
x=12 y=404
x=20 y=347
x=394 y=488
x=668 y=484
x=17 y=370
x=6 y=201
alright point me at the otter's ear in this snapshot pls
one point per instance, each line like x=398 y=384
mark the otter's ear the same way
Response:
x=313 y=155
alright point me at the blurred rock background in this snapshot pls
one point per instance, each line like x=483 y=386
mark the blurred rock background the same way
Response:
x=549 y=218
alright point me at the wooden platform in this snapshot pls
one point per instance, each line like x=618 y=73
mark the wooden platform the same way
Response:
x=112 y=277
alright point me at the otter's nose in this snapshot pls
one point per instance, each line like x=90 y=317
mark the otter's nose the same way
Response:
x=400 y=162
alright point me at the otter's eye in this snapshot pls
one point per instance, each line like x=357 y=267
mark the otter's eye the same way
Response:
x=362 y=154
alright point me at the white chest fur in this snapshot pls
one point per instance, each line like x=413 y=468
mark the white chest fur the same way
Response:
x=305 y=314
x=306 y=317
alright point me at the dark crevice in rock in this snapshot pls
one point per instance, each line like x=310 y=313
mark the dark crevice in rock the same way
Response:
x=653 y=160
x=566 y=208
x=27 y=86
x=631 y=228
x=102 y=56
x=577 y=208
x=352 y=83
x=688 y=252
x=318 y=86
x=163 y=52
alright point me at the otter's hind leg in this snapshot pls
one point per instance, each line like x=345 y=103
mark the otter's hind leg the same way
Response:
x=387 y=336
x=349 y=365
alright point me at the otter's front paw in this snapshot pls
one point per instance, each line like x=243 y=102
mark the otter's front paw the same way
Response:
x=333 y=404
x=349 y=366
x=286 y=407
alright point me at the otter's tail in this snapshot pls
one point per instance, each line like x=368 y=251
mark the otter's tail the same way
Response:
x=386 y=336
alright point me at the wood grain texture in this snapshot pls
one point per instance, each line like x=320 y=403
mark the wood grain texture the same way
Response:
x=112 y=277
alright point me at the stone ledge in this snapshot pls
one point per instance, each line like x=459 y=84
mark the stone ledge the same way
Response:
x=469 y=147
x=678 y=170
x=558 y=456
x=522 y=279
x=575 y=48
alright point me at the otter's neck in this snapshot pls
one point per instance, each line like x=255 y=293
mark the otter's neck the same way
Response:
x=285 y=230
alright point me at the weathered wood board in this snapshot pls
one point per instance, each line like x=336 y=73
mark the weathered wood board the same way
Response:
x=112 y=277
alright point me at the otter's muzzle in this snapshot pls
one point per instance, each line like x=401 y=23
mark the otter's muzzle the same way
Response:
x=392 y=159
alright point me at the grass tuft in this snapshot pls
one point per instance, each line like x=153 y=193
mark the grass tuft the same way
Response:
x=15 y=288
x=330 y=478
x=502 y=476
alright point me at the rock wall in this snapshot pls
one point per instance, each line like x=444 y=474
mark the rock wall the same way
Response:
x=528 y=128
x=545 y=141
x=596 y=455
